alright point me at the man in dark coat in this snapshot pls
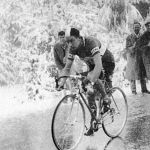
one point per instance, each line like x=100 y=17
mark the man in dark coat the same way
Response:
x=131 y=73
x=143 y=57
x=60 y=51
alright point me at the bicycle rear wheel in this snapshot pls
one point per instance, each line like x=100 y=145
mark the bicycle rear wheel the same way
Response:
x=114 y=120
x=68 y=123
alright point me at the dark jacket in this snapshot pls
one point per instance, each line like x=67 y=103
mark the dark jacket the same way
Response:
x=59 y=54
x=143 y=55
x=131 y=71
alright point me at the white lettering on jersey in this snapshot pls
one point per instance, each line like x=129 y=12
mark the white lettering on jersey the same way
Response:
x=94 y=50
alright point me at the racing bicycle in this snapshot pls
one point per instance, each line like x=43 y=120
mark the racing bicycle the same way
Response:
x=69 y=118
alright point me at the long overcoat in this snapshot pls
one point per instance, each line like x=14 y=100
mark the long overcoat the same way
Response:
x=131 y=72
x=143 y=56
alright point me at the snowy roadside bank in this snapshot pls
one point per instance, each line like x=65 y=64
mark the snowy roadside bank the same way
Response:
x=25 y=126
x=14 y=102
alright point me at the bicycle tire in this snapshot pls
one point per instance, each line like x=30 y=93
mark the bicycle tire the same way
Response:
x=113 y=125
x=63 y=135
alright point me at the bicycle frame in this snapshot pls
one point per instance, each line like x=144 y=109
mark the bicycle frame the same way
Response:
x=95 y=117
x=84 y=100
x=74 y=103
x=80 y=93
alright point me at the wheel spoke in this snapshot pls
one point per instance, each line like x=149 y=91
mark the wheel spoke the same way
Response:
x=67 y=125
x=114 y=120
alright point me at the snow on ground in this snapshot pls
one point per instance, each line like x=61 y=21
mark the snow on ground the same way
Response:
x=27 y=125
x=14 y=100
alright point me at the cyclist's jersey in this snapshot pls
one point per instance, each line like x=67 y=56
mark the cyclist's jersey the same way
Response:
x=88 y=48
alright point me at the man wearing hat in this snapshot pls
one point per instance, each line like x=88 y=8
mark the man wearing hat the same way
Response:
x=143 y=57
x=131 y=73
x=87 y=47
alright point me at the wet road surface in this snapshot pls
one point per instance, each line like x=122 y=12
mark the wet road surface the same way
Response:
x=33 y=130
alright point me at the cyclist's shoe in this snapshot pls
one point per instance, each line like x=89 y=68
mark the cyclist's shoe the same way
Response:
x=89 y=132
x=92 y=129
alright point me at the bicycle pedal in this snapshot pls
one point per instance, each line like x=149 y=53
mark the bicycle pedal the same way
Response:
x=95 y=127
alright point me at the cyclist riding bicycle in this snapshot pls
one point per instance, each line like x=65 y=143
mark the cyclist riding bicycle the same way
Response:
x=87 y=47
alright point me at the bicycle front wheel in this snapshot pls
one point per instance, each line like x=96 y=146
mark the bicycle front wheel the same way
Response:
x=114 y=120
x=68 y=123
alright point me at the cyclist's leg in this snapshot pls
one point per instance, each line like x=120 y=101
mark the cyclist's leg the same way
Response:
x=109 y=70
x=99 y=86
x=92 y=105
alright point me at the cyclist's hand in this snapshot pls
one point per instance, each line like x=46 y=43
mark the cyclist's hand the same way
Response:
x=89 y=88
x=61 y=84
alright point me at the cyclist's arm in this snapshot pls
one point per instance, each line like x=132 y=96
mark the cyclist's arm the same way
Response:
x=66 y=70
x=95 y=53
x=97 y=69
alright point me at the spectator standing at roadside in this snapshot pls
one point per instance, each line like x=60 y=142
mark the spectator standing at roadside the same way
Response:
x=60 y=52
x=143 y=57
x=131 y=74
x=60 y=49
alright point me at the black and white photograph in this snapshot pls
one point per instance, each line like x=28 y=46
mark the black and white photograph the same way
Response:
x=75 y=75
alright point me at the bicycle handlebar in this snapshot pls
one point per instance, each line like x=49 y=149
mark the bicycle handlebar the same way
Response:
x=73 y=76
x=80 y=76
